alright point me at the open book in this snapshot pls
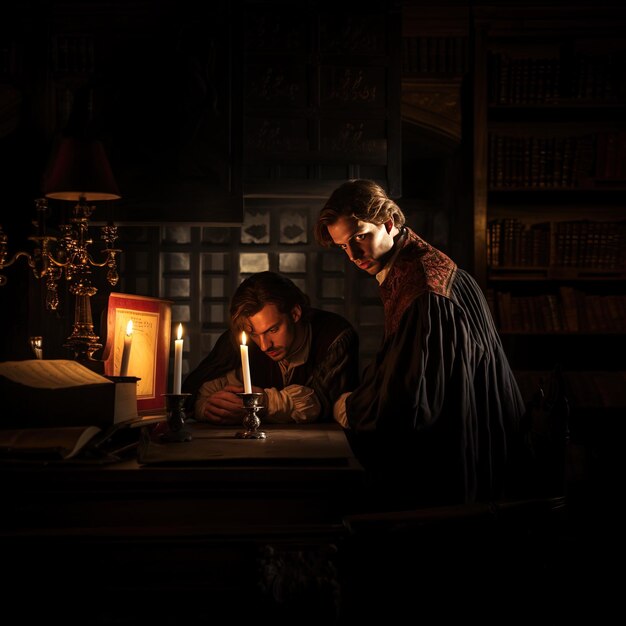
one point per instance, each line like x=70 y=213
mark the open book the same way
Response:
x=58 y=392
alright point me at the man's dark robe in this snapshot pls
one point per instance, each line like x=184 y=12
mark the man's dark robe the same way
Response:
x=436 y=416
x=330 y=370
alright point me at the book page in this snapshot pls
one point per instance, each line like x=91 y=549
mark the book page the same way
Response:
x=51 y=374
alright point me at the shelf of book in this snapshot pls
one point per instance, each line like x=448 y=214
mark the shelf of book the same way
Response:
x=563 y=309
x=550 y=185
x=521 y=273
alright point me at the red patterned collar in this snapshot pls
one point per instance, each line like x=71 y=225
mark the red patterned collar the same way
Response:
x=416 y=269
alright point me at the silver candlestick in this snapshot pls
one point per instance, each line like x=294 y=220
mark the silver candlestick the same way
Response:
x=251 y=422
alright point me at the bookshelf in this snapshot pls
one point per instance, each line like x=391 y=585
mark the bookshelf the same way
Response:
x=550 y=191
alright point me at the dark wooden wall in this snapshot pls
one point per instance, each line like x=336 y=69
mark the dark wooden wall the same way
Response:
x=256 y=107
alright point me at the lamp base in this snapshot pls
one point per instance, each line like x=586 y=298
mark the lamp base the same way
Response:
x=83 y=347
x=83 y=342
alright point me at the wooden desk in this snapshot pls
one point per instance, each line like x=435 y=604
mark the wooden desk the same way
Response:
x=203 y=533
x=253 y=538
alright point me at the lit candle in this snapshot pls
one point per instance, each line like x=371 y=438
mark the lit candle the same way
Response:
x=178 y=360
x=128 y=340
x=37 y=346
x=245 y=365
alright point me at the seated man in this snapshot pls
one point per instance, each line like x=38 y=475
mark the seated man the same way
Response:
x=301 y=358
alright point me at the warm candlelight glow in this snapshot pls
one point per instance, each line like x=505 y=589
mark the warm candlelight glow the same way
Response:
x=178 y=360
x=36 y=343
x=128 y=339
x=245 y=365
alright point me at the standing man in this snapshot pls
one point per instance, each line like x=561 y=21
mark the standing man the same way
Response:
x=436 y=416
x=301 y=358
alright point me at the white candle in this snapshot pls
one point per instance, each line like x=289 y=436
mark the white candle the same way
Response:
x=245 y=365
x=128 y=340
x=178 y=360
x=37 y=345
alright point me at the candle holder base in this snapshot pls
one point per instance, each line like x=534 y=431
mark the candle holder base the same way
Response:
x=251 y=421
x=175 y=407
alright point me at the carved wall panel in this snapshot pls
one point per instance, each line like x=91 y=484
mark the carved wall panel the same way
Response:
x=322 y=92
x=434 y=105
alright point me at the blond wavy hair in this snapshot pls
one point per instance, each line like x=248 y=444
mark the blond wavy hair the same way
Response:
x=363 y=199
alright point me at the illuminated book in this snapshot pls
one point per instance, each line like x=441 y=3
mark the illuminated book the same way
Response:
x=57 y=392
x=148 y=348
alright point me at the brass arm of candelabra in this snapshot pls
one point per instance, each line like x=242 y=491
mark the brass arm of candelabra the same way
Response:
x=69 y=256
x=34 y=260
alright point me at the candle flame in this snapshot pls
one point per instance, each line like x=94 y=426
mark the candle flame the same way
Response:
x=129 y=327
x=180 y=331
x=243 y=337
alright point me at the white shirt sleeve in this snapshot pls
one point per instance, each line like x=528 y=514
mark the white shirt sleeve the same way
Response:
x=294 y=402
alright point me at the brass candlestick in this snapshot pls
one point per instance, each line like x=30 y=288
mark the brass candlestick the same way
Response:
x=175 y=407
x=251 y=421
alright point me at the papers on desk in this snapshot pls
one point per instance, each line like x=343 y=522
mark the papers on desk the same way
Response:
x=78 y=443
x=49 y=443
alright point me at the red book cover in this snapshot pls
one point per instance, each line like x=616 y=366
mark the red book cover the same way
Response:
x=147 y=346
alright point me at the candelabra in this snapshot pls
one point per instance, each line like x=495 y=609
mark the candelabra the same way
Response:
x=79 y=165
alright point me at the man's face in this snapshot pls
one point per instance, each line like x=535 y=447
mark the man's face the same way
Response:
x=274 y=332
x=366 y=244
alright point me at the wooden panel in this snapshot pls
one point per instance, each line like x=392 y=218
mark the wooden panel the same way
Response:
x=322 y=103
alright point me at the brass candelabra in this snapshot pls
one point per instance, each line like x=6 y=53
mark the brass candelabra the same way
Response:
x=69 y=256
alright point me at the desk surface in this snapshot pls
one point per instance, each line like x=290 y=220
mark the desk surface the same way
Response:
x=199 y=530
x=302 y=475
x=286 y=445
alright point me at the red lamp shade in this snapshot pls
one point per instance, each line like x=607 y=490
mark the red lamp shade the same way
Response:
x=80 y=170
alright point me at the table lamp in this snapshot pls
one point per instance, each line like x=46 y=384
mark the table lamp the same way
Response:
x=80 y=173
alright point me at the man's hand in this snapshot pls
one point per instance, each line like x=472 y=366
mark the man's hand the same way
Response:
x=225 y=407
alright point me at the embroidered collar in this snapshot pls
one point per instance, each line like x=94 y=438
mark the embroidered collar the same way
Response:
x=416 y=269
